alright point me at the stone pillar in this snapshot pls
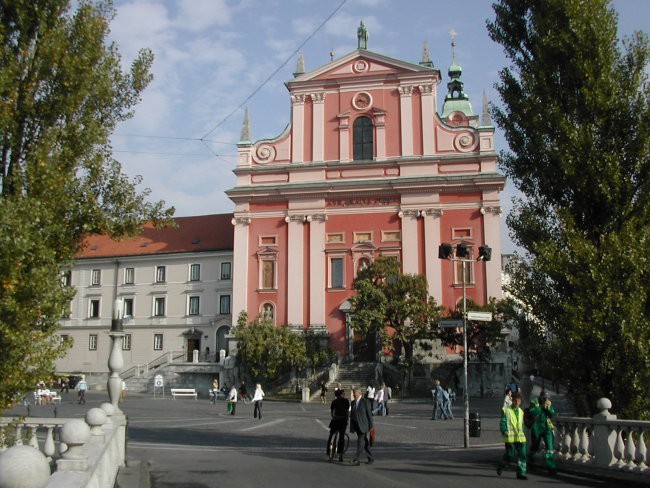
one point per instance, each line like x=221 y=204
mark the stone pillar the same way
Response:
x=491 y=226
x=318 y=126
x=295 y=268
x=427 y=102
x=297 y=127
x=410 y=252
x=604 y=436
x=317 y=276
x=240 y=266
x=432 y=264
x=406 y=116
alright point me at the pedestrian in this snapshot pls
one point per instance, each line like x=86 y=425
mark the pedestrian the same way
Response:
x=542 y=429
x=507 y=400
x=232 y=400
x=214 y=391
x=446 y=404
x=243 y=392
x=258 y=396
x=323 y=391
x=437 y=393
x=361 y=424
x=370 y=395
x=379 y=401
x=514 y=438
x=82 y=387
x=65 y=385
x=339 y=411
x=388 y=394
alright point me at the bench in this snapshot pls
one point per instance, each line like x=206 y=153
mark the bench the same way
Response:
x=183 y=392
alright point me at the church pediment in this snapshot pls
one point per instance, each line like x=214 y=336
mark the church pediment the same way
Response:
x=359 y=63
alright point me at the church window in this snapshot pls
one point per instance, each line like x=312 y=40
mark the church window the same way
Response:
x=336 y=272
x=363 y=139
x=268 y=274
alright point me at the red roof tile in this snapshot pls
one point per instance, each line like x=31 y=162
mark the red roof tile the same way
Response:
x=198 y=233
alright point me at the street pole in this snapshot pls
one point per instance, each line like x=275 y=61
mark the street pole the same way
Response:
x=465 y=385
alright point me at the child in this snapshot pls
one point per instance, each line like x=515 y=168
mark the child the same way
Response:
x=512 y=429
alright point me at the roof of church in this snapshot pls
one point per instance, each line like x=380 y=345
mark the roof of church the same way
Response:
x=192 y=234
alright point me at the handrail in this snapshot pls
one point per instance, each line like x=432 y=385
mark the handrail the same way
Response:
x=142 y=370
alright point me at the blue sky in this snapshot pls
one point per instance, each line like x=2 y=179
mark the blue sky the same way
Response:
x=213 y=56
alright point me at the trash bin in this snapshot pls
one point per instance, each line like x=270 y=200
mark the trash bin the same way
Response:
x=474 y=424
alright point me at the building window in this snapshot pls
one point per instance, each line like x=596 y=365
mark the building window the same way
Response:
x=157 y=342
x=267 y=312
x=96 y=277
x=64 y=338
x=195 y=272
x=268 y=240
x=66 y=278
x=363 y=143
x=224 y=304
x=160 y=274
x=129 y=276
x=92 y=342
x=128 y=307
x=336 y=272
x=362 y=237
x=193 y=308
x=225 y=271
x=126 y=342
x=93 y=308
x=159 y=307
x=268 y=274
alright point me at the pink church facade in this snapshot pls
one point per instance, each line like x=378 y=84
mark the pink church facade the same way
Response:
x=366 y=167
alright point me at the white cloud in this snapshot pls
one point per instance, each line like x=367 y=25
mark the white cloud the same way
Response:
x=198 y=15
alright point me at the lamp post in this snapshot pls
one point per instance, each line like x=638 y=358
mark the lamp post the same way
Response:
x=116 y=359
x=463 y=256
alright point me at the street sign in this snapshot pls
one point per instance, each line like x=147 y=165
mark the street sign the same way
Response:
x=450 y=323
x=480 y=316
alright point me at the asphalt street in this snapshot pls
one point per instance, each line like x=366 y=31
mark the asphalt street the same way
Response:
x=190 y=443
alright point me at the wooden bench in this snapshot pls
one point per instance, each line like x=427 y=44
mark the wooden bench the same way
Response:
x=183 y=392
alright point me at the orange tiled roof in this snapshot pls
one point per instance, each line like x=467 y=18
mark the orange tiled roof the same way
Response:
x=198 y=233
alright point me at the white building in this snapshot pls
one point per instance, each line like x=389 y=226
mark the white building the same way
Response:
x=176 y=288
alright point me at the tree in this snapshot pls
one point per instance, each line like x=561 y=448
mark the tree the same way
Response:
x=62 y=92
x=395 y=305
x=266 y=350
x=577 y=120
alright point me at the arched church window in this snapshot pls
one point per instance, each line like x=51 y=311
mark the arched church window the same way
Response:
x=363 y=138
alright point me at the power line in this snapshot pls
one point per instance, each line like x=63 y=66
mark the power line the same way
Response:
x=193 y=139
x=320 y=26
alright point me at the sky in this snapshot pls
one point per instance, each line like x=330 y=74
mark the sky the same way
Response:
x=214 y=58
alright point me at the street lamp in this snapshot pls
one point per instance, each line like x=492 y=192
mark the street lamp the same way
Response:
x=116 y=359
x=445 y=251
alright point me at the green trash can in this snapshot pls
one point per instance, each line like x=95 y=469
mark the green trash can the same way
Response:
x=474 y=424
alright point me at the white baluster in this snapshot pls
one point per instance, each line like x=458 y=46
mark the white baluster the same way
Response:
x=3 y=447
x=33 y=441
x=641 y=452
x=566 y=443
x=619 y=449
x=584 y=444
x=575 y=443
x=630 y=449
x=48 y=446
x=19 y=435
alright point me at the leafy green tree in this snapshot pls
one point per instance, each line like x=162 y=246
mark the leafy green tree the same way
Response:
x=395 y=305
x=62 y=92
x=482 y=337
x=268 y=351
x=576 y=116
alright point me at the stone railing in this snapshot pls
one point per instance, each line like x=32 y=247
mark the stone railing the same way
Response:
x=58 y=453
x=604 y=443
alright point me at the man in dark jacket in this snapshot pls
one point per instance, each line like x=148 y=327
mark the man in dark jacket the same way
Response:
x=340 y=410
x=361 y=424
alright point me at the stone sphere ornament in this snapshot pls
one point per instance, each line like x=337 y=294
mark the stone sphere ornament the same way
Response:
x=24 y=467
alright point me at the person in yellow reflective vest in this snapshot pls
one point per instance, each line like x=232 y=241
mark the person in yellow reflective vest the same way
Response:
x=512 y=429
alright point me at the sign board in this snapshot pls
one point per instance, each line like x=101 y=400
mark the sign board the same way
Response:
x=158 y=380
x=450 y=323
x=480 y=316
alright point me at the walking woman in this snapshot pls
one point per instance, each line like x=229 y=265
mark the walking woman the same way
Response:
x=258 y=396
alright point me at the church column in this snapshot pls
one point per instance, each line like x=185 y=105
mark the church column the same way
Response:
x=295 y=277
x=491 y=226
x=318 y=126
x=317 y=271
x=427 y=102
x=240 y=266
x=406 y=116
x=431 y=245
x=297 y=127
x=409 y=240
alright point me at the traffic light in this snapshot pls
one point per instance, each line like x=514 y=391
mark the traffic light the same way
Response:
x=462 y=251
x=445 y=250
x=484 y=253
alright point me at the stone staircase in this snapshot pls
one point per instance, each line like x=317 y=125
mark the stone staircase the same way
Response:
x=354 y=374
